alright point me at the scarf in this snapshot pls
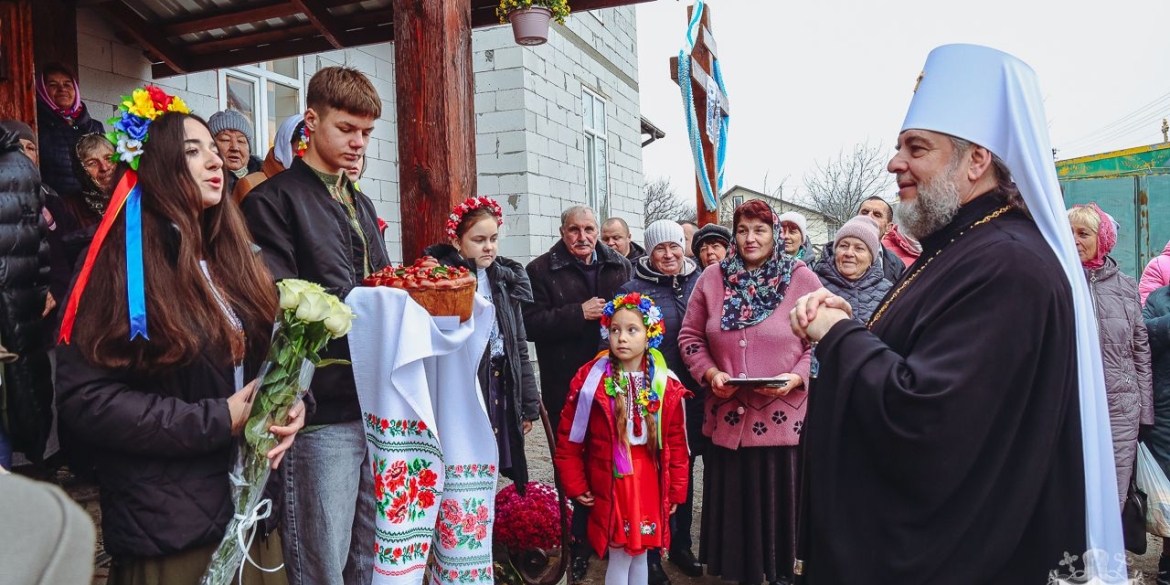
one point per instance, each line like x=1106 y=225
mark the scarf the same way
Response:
x=750 y=296
x=68 y=115
x=282 y=145
x=1106 y=238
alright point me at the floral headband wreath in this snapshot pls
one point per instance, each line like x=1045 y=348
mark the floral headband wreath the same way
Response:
x=651 y=316
x=131 y=132
x=471 y=204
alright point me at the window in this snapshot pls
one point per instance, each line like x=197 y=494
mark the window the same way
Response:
x=737 y=200
x=265 y=93
x=596 y=153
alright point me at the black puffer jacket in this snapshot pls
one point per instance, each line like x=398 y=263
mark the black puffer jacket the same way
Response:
x=162 y=447
x=863 y=294
x=24 y=282
x=1157 y=318
x=511 y=291
x=671 y=294
x=564 y=340
x=57 y=139
x=304 y=233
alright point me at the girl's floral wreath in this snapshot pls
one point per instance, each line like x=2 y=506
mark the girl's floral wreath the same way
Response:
x=471 y=204
x=131 y=131
x=132 y=122
x=303 y=144
x=651 y=316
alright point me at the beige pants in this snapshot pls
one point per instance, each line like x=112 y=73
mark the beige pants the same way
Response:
x=187 y=567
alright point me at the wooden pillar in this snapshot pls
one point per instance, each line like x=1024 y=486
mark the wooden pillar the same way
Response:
x=56 y=38
x=17 y=93
x=436 y=116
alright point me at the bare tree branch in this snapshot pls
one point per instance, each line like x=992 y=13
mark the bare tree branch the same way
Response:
x=838 y=187
x=662 y=203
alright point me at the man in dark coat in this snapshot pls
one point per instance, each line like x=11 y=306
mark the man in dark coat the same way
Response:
x=570 y=285
x=27 y=387
x=944 y=441
x=615 y=233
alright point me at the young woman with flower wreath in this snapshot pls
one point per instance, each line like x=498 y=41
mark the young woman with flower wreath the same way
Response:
x=505 y=372
x=172 y=310
x=621 y=445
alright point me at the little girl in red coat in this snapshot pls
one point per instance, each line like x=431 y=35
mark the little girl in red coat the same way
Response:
x=621 y=445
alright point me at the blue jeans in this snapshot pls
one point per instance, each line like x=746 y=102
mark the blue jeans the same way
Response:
x=5 y=450
x=327 y=528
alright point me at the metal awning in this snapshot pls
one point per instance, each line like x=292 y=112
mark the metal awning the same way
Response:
x=184 y=36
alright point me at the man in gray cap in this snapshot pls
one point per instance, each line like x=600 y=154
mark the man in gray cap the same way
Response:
x=233 y=135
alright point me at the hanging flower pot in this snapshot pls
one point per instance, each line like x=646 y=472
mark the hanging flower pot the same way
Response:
x=530 y=18
x=530 y=25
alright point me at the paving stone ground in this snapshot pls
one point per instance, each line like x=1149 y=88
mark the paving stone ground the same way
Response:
x=541 y=469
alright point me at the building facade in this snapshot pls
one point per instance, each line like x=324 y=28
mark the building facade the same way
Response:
x=821 y=228
x=556 y=125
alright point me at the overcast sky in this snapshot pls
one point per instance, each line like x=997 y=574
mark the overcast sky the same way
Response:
x=807 y=79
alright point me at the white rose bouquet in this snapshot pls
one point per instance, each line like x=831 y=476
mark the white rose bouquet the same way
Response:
x=309 y=318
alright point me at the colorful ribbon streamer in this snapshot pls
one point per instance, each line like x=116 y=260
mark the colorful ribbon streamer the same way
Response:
x=126 y=194
x=710 y=198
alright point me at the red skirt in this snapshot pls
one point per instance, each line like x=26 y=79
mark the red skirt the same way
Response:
x=638 y=523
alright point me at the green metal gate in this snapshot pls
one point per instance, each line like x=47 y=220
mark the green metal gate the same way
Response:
x=1133 y=186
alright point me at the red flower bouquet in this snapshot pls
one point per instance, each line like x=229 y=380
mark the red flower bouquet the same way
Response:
x=527 y=535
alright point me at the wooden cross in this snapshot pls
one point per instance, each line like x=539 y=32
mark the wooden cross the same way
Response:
x=702 y=81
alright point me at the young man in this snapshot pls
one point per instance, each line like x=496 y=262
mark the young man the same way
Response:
x=311 y=223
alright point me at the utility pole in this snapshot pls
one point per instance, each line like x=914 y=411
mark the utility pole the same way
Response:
x=1165 y=131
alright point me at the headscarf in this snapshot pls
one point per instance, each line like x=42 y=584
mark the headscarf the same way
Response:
x=70 y=114
x=282 y=146
x=751 y=296
x=1106 y=237
x=91 y=193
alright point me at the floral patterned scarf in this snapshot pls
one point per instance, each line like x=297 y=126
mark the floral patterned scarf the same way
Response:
x=750 y=296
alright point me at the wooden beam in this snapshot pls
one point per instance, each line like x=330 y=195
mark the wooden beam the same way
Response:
x=255 y=39
x=228 y=18
x=279 y=50
x=145 y=34
x=319 y=15
x=18 y=99
x=56 y=40
x=436 y=115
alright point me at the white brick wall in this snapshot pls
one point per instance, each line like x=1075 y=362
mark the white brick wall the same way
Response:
x=529 y=132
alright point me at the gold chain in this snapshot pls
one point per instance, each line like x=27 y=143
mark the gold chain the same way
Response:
x=881 y=311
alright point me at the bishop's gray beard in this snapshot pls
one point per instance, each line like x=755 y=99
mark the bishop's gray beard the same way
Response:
x=936 y=206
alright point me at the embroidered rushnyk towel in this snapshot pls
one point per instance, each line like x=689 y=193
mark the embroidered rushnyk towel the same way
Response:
x=432 y=448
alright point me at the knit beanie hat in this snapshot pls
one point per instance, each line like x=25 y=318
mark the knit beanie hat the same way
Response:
x=20 y=128
x=795 y=218
x=862 y=228
x=231 y=120
x=711 y=231
x=664 y=230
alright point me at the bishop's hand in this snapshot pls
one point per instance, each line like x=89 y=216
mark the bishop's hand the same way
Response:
x=816 y=312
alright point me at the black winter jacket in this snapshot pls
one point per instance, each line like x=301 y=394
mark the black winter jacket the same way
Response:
x=564 y=340
x=671 y=294
x=24 y=281
x=304 y=233
x=162 y=448
x=863 y=294
x=511 y=291
x=57 y=140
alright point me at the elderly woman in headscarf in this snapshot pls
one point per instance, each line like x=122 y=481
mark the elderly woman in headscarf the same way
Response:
x=280 y=156
x=1125 y=349
x=736 y=327
x=850 y=272
x=62 y=119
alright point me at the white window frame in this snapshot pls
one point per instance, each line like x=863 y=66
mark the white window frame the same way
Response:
x=260 y=78
x=592 y=134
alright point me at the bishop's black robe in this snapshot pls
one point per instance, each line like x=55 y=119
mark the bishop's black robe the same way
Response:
x=944 y=445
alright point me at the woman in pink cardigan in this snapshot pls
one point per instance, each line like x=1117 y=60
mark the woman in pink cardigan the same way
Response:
x=736 y=326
